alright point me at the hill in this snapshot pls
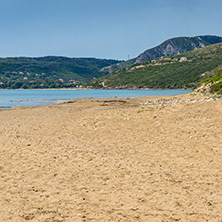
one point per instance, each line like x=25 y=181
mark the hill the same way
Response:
x=169 y=47
x=50 y=71
x=185 y=70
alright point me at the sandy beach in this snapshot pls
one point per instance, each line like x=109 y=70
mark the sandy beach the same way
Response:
x=132 y=159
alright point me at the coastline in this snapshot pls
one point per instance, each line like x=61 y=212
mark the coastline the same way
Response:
x=16 y=98
x=86 y=88
x=110 y=159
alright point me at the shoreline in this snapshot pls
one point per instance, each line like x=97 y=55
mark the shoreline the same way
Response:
x=98 y=89
x=40 y=97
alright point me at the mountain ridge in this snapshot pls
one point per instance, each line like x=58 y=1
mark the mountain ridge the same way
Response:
x=177 y=45
x=169 y=47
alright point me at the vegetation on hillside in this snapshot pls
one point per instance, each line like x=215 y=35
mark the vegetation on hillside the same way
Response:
x=169 y=47
x=185 y=70
x=119 y=66
x=50 y=71
x=214 y=83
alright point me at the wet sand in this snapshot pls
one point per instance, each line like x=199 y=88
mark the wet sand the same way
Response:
x=113 y=160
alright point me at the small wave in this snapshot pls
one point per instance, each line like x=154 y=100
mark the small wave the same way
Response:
x=21 y=101
x=31 y=101
x=16 y=101
x=5 y=107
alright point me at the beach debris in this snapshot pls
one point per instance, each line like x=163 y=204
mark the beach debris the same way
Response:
x=170 y=102
x=191 y=137
x=152 y=141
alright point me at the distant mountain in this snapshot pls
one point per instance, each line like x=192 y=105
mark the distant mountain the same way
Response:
x=50 y=71
x=185 y=70
x=170 y=47
x=177 y=46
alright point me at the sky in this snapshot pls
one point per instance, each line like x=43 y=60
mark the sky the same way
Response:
x=108 y=29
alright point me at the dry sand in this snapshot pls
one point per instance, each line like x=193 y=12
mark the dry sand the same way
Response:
x=112 y=160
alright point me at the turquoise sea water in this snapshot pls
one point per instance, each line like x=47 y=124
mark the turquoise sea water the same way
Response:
x=19 y=98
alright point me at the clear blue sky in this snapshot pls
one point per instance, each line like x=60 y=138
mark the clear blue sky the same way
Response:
x=101 y=28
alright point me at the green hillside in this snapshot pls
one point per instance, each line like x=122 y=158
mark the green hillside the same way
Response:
x=50 y=71
x=212 y=84
x=169 y=47
x=185 y=70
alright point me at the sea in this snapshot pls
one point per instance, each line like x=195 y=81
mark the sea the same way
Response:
x=21 y=98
